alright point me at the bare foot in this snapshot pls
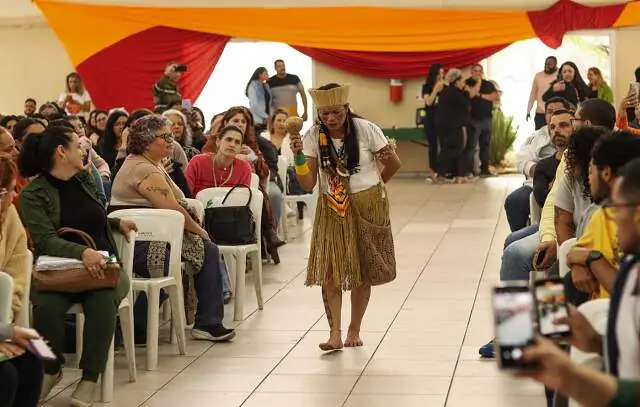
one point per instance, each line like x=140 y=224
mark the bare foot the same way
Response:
x=353 y=340
x=334 y=342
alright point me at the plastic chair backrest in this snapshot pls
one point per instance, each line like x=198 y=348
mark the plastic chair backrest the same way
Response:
x=197 y=206
x=283 y=164
x=125 y=249
x=238 y=197
x=158 y=225
x=6 y=296
x=255 y=181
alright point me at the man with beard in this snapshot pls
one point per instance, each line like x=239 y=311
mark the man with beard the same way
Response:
x=541 y=82
x=595 y=257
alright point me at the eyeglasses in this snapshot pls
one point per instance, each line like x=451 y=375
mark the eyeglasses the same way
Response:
x=168 y=137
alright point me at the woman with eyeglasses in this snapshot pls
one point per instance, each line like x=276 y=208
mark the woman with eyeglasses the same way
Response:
x=112 y=137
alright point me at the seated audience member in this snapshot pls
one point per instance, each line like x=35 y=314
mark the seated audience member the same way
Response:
x=520 y=246
x=274 y=186
x=622 y=121
x=87 y=149
x=592 y=112
x=537 y=147
x=280 y=138
x=97 y=124
x=63 y=194
x=239 y=116
x=30 y=106
x=181 y=132
x=41 y=119
x=25 y=127
x=49 y=110
x=9 y=122
x=621 y=346
x=112 y=137
x=143 y=182
x=20 y=370
x=13 y=239
x=278 y=131
x=7 y=143
x=195 y=117
x=595 y=257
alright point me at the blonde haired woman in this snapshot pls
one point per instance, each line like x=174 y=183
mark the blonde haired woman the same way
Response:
x=598 y=88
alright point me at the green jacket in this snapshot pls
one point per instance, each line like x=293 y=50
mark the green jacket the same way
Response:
x=605 y=92
x=40 y=209
x=165 y=92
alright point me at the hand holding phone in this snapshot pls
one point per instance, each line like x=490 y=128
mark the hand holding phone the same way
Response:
x=42 y=350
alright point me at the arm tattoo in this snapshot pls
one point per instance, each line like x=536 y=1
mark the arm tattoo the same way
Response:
x=160 y=190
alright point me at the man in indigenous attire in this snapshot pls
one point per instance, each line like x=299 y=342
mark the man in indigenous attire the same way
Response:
x=349 y=159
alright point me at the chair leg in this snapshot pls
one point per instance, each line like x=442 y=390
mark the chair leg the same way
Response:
x=178 y=321
x=79 y=343
x=106 y=391
x=256 y=265
x=153 y=327
x=230 y=262
x=241 y=266
x=126 y=325
x=166 y=312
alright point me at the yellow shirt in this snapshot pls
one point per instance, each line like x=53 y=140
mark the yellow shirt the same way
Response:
x=600 y=234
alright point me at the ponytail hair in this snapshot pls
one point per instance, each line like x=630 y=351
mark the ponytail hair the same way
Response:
x=37 y=153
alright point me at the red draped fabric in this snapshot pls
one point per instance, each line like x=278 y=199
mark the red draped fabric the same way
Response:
x=554 y=22
x=397 y=65
x=123 y=74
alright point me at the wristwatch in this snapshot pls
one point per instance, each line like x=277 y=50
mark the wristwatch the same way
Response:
x=593 y=255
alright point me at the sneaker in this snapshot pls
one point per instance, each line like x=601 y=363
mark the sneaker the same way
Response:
x=216 y=333
x=487 y=351
x=50 y=381
x=83 y=394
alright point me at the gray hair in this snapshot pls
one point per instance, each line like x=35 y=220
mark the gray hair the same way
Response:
x=186 y=134
x=143 y=132
x=452 y=76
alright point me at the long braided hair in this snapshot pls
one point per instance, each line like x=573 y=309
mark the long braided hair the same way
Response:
x=329 y=153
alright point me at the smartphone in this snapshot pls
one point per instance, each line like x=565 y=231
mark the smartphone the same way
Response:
x=551 y=304
x=42 y=350
x=186 y=104
x=513 y=320
x=539 y=258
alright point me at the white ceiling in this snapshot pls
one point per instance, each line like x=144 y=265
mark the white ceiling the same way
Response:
x=26 y=9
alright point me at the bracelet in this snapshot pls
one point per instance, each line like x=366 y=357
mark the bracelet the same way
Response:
x=299 y=159
x=302 y=170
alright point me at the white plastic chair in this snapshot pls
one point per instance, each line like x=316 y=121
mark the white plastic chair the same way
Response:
x=162 y=225
x=23 y=318
x=310 y=200
x=6 y=294
x=255 y=181
x=563 y=252
x=125 y=312
x=534 y=210
x=236 y=256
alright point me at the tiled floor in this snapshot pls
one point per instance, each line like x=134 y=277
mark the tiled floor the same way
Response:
x=421 y=332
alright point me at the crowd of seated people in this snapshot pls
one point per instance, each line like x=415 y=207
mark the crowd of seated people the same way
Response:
x=66 y=165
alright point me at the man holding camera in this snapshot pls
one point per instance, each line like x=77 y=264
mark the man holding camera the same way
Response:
x=165 y=91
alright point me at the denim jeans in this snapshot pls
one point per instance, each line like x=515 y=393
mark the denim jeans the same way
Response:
x=516 y=207
x=276 y=198
x=519 y=234
x=517 y=258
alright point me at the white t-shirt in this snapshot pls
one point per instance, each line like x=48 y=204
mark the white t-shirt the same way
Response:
x=73 y=108
x=627 y=328
x=370 y=139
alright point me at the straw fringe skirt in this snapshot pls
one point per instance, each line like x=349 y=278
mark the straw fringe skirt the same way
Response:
x=334 y=243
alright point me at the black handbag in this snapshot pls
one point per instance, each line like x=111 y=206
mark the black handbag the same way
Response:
x=231 y=225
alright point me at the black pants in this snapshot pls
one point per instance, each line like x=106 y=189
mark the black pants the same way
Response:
x=432 y=139
x=452 y=142
x=480 y=136
x=540 y=120
x=21 y=381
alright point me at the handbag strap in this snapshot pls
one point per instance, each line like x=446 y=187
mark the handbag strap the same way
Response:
x=239 y=186
x=88 y=240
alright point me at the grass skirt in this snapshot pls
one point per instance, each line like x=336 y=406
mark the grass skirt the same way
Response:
x=334 y=243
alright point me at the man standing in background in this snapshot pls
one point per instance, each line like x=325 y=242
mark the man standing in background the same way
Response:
x=284 y=90
x=541 y=82
x=481 y=114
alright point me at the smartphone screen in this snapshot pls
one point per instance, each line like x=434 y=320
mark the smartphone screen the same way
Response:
x=513 y=309
x=186 y=104
x=42 y=350
x=551 y=305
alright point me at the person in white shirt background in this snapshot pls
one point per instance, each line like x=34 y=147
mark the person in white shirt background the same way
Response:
x=534 y=149
x=75 y=100
x=541 y=82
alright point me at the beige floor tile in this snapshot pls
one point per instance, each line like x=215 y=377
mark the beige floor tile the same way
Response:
x=295 y=399
x=386 y=400
x=478 y=368
x=166 y=398
x=233 y=365
x=495 y=401
x=249 y=350
x=336 y=364
x=421 y=353
x=402 y=385
x=394 y=367
x=496 y=385
x=223 y=382
x=322 y=384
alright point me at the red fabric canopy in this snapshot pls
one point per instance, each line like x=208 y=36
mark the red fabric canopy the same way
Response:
x=397 y=65
x=123 y=74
